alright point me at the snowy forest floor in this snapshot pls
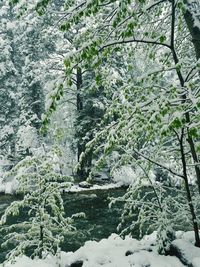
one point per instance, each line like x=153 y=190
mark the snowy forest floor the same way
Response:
x=118 y=252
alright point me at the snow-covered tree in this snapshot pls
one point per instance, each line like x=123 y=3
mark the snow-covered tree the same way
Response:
x=32 y=55
x=43 y=230
x=154 y=115
x=157 y=114
x=8 y=89
x=21 y=100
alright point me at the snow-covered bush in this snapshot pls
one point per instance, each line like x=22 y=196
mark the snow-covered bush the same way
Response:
x=127 y=175
x=124 y=175
x=45 y=226
x=151 y=206
x=165 y=235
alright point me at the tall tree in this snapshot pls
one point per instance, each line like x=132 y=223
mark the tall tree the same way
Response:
x=192 y=19
x=164 y=47
x=155 y=117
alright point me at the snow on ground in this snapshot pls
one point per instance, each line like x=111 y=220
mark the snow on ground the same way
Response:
x=125 y=175
x=111 y=252
x=190 y=253
x=8 y=187
x=11 y=186
x=25 y=262
x=76 y=188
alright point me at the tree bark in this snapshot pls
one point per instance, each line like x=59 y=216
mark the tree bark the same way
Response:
x=79 y=103
x=85 y=163
x=192 y=8
x=189 y=197
x=41 y=240
x=190 y=139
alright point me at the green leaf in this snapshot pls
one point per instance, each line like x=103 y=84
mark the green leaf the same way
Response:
x=193 y=132
x=69 y=82
x=67 y=62
x=98 y=78
x=162 y=39
x=176 y=124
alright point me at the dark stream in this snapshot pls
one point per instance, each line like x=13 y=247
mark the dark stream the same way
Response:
x=99 y=223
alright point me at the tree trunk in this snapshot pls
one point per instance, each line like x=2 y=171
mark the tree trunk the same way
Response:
x=190 y=139
x=191 y=17
x=79 y=103
x=189 y=197
x=41 y=241
x=193 y=8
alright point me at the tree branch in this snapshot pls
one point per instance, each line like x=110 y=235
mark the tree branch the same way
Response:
x=125 y=41
x=158 y=164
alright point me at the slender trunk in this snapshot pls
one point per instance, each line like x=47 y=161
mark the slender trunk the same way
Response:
x=41 y=241
x=195 y=159
x=189 y=197
x=182 y=83
x=192 y=9
x=189 y=140
x=79 y=103
x=85 y=163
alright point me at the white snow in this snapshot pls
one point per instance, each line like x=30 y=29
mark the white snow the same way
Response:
x=27 y=137
x=8 y=187
x=125 y=175
x=76 y=188
x=190 y=253
x=109 y=252
x=48 y=262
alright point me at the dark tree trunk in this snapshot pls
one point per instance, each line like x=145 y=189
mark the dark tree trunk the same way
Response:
x=190 y=22
x=189 y=138
x=193 y=8
x=189 y=197
x=79 y=103
x=85 y=163
x=79 y=81
x=41 y=241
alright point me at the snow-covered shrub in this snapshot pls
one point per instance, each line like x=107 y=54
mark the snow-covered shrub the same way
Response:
x=45 y=226
x=124 y=175
x=152 y=207
x=165 y=235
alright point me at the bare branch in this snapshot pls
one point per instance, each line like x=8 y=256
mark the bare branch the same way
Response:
x=158 y=164
x=125 y=41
